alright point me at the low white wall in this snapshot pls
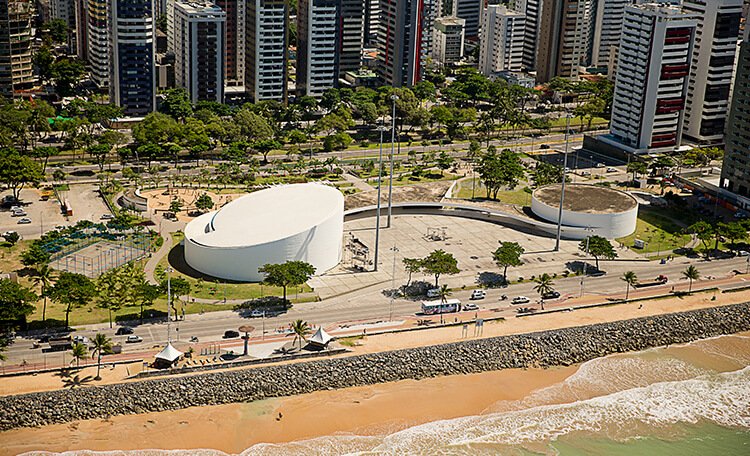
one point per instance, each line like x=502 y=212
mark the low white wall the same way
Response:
x=607 y=225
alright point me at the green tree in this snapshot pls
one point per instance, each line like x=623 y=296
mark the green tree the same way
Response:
x=734 y=232
x=58 y=30
x=444 y=161
x=252 y=127
x=34 y=256
x=440 y=262
x=691 y=273
x=177 y=104
x=631 y=280
x=412 y=266
x=508 y=254
x=101 y=345
x=43 y=59
x=16 y=171
x=146 y=294
x=204 y=202
x=73 y=291
x=66 y=73
x=179 y=287
x=11 y=237
x=301 y=329
x=499 y=170
x=290 y=273
x=598 y=247
x=79 y=351
x=265 y=146
x=443 y=293
x=544 y=285
x=43 y=276
x=637 y=168
x=704 y=231
x=16 y=301
x=175 y=205
x=547 y=173
x=112 y=290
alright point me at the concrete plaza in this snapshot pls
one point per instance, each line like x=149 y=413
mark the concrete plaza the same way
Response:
x=470 y=241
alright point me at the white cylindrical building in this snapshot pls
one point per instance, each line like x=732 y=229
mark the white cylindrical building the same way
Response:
x=293 y=222
x=609 y=213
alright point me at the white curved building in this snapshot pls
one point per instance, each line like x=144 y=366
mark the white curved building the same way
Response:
x=609 y=213
x=292 y=222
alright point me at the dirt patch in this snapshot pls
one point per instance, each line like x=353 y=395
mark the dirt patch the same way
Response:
x=427 y=192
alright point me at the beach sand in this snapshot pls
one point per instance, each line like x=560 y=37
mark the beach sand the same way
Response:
x=370 y=410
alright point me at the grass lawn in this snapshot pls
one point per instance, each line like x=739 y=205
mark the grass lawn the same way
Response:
x=517 y=196
x=407 y=179
x=660 y=233
x=218 y=290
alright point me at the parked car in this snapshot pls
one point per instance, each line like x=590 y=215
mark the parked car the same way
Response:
x=123 y=330
x=134 y=339
x=18 y=213
x=107 y=217
x=257 y=313
x=551 y=295
x=585 y=173
x=433 y=293
x=520 y=300
x=544 y=146
x=81 y=340
x=24 y=221
x=611 y=170
x=471 y=306
x=231 y=334
x=478 y=294
x=743 y=253
x=600 y=165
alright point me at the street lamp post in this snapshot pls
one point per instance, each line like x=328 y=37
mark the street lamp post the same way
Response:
x=562 y=188
x=169 y=305
x=390 y=178
x=381 y=129
x=395 y=251
x=585 y=264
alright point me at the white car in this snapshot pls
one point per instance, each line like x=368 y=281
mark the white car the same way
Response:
x=611 y=170
x=433 y=293
x=24 y=221
x=600 y=165
x=19 y=213
x=477 y=294
x=107 y=217
x=81 y=340
x=743 y=253
x=133 y=339
x=257 y=313
x=520 y=300
x=471 y=306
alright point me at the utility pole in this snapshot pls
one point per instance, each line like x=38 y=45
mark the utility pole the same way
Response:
x=390 y=179
x=564 y=177
x=381 y=128
x=169 y=306
x=585 y=264
x=393 y=282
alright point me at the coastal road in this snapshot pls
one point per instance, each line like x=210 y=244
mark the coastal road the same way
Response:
x=370 y=305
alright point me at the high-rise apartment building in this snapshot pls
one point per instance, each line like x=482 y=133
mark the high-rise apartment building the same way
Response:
x=317 y=43
x=133 y=47
x=471 y=12
x=351 y=40
x=502 y=40
x=235 y=41
x=15 y=46
x=652 y=78
x=712 y=67
x=266 y=50
x=735 y=172
x=370 y=23
x=565 y=38
x=448 y=40
x=607 y=27
x=199 y=49
x=97 y=41
x=404 y=40
x=532 y=10
x=64 y=10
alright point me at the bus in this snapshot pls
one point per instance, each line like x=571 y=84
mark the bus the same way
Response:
x=440 y=307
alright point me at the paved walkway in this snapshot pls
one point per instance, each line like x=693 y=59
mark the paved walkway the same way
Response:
x=151 y=264
x=359 y=184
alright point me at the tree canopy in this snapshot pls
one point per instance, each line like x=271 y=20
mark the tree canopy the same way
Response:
x=290 y=273
x=440 y=262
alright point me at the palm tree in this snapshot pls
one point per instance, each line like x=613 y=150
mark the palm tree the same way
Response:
x=544 y=285
x=443 y=293
x=691 y=273
x=300 y=329
x=43 y=276
x=79 y=352
x=101 y=345
x=630 y=280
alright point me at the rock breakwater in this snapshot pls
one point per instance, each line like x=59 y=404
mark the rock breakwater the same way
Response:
x=560 y=347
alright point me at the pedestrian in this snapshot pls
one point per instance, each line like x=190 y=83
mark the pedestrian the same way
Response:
x=641 y=306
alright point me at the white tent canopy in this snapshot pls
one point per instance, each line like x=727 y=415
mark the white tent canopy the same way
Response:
x=169 y=354
x=320 y=337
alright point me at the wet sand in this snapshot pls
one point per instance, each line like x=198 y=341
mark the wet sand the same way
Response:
x=371 y=410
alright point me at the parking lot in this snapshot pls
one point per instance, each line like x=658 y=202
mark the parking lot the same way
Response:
x=44 y=215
